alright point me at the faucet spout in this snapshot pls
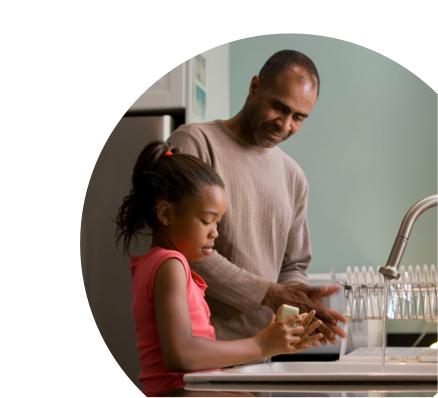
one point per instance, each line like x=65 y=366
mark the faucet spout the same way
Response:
x=390 y=271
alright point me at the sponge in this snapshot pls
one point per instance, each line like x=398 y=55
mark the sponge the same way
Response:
x=285 y=311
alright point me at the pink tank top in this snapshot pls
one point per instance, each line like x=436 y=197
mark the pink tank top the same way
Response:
x=154 y=374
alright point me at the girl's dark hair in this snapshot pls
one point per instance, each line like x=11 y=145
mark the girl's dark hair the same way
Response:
x=156 y=176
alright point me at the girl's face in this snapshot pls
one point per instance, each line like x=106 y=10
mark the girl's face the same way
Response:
x=193 y=229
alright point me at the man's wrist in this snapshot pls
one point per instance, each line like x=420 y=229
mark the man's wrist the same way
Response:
x=270 y=299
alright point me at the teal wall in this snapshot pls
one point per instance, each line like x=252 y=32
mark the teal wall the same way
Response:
x=368 y=149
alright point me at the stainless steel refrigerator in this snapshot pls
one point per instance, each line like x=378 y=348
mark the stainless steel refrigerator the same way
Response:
x=105 y=268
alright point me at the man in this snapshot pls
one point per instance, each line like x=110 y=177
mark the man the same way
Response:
x=263 y=249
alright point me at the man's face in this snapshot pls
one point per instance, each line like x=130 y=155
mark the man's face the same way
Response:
x=277 y=112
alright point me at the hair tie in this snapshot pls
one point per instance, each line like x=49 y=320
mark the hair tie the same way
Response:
x=168 y=153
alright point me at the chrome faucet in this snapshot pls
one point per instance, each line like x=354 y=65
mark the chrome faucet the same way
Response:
x=390 y=270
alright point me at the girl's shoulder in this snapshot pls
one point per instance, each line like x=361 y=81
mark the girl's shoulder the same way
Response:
x=144 y=268
x=160 y=253
x=153 y=259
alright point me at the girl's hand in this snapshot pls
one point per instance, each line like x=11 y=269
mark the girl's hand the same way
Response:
x=309 y=328
x=280 y=338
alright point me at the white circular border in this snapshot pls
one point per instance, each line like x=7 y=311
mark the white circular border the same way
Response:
x=54 y=95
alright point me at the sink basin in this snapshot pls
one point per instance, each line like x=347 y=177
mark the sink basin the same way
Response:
x=319 y=371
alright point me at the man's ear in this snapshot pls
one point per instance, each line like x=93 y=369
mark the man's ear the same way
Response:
x=164 y=210
x=254 y=87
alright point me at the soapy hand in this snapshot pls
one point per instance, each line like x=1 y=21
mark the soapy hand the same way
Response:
x=330 y=318
x=280 y=338
x=310 y=324
x=308 y=298
x=330 y=331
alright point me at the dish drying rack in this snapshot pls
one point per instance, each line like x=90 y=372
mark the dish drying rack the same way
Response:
x=413 y=296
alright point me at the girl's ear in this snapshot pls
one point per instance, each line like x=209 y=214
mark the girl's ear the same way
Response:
x=164 y=212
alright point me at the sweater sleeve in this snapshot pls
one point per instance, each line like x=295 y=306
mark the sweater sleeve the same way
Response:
x=231 y=285
x=227 y=282
x=298 y=255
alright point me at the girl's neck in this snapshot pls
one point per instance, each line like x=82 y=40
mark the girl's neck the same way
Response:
x=160 y=240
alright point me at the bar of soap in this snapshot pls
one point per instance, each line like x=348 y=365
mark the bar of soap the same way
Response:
x=285 y=311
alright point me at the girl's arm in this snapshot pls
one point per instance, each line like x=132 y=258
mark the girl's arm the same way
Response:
x=183 y=352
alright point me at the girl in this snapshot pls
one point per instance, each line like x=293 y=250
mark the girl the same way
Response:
x=181 y=199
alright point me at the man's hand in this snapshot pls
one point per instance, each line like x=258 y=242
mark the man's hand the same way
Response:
x=308 y=298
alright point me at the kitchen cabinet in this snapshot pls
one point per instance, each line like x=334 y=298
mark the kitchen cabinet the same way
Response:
x=169 y=92
x=176 y=90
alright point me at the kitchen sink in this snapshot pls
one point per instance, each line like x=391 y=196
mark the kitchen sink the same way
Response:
x=319 y=371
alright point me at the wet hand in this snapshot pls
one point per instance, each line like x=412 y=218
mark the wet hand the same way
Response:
x=307 y=299
x=280 y=338
x=309 y=335
x=329 y=334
